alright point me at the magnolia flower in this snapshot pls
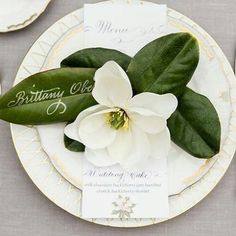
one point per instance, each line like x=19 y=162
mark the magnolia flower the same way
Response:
x=122 y=128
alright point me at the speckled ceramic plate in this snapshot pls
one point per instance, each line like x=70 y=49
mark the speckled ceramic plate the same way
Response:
x=196 y=178
x=17 y=14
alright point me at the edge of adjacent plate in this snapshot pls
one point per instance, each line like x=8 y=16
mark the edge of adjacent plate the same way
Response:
x=26 y=22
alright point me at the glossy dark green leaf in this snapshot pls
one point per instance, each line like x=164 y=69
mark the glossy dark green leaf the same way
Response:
x=52 y=96
x=96 y=58
x=165 y=65
x=195 y=125
x=73 y=145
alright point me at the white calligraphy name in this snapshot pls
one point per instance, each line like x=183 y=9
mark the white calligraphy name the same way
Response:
x=23 y=97
x=35 y=96
x=58 y=106
x=83 y=87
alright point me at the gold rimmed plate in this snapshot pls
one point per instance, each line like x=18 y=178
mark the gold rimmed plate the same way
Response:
x=57 y=172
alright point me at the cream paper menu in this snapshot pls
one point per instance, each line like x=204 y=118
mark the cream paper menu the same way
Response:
x=112 y=192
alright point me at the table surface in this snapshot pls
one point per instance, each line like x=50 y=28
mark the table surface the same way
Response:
x=25 y=211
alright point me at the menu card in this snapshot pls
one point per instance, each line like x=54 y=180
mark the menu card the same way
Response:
x=112 y=192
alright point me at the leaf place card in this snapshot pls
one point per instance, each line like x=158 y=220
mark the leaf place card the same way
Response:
x=126 y=28
x=112 y=192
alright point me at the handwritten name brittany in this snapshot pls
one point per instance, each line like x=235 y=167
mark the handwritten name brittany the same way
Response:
x=23 y=97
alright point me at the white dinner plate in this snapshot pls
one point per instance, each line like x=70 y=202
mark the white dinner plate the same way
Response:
x=192 y=177
x=17 y=14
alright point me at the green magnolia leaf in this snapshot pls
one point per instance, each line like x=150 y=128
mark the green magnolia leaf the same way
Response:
x=165 y=65
x=195 y=125
x=52 y=96
x=73 y=145
x=96 y=58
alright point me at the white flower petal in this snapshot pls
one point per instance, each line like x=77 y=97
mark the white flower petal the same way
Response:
x=95 y=132
x=71 y=130
x=99 y=157
x=121 y=146
x=148 y=121
x=163 y=105
x=140 y=148
x=112 y=86
x=160 y=144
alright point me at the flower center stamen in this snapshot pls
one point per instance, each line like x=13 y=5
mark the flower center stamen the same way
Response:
x=118 y=119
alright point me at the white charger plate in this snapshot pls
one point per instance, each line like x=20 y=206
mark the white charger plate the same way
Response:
x=64 y=38
x=17 y=14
